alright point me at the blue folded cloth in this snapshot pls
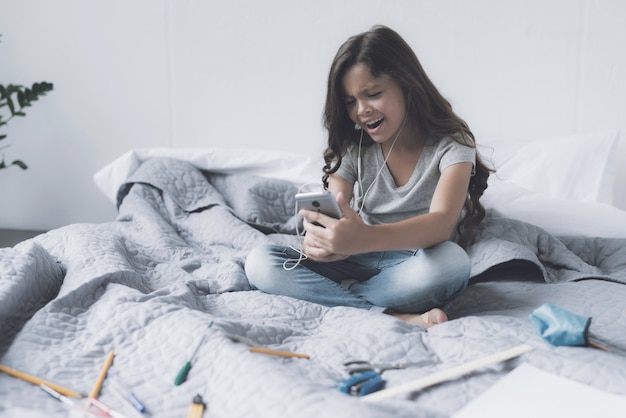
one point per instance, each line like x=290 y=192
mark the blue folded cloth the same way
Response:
x=559 y=326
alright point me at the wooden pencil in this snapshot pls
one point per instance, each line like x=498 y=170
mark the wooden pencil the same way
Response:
x=264 y=350
x=37 y=381
x=105 y=368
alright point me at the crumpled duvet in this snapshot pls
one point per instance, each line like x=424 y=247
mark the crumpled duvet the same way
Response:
x=147 y=285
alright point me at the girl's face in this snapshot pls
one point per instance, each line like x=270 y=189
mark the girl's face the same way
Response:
x=376 y=104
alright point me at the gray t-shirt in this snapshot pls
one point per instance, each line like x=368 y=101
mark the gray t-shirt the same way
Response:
x=385 y=202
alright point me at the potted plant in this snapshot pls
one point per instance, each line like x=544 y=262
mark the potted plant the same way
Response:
x=15 y=98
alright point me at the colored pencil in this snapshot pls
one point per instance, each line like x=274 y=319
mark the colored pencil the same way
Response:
x=37 y=381
x=280 y=353
x=105 y=368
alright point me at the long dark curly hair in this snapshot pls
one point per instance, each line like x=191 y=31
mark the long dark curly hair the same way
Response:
x=385 y=53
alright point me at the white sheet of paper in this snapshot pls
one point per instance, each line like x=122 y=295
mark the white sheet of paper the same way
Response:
x=531 y=392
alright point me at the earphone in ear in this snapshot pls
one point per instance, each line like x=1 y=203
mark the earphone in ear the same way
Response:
x=357 y=127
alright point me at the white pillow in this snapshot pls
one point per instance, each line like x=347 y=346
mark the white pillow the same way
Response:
x=575 y=167
x=559 y=217
x=563 y=185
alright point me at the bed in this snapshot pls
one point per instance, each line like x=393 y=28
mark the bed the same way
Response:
x=148 y=284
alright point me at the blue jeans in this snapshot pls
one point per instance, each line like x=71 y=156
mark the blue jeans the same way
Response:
x=404 y=281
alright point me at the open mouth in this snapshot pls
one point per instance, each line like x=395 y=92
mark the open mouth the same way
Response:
x=374 y=123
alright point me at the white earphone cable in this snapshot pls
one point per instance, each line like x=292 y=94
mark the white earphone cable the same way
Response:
x=358 y=168
x=300 y=235
x=300 y=251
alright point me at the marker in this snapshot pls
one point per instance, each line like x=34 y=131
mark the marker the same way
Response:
x=37 y=381
x=182 y=374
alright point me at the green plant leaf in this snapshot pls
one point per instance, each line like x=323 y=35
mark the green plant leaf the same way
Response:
x=14 y=88
x=11 y=105
x=21 y=98
x=29 y=95
x=20 y=164
x=24 y=98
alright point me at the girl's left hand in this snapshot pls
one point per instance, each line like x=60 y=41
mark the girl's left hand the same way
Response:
x=337 y=238
x=317 y=253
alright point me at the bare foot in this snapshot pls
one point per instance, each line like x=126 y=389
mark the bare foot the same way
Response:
x=426 y=320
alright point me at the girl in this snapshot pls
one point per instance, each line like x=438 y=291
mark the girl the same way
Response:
x=405 y=172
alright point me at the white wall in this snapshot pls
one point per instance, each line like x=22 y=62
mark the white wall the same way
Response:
x=238 y=74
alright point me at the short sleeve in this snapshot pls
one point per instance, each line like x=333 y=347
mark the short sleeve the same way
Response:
x=453 y=153
x=348 y=168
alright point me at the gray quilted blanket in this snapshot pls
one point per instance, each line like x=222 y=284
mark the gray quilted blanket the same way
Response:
x=147 y=285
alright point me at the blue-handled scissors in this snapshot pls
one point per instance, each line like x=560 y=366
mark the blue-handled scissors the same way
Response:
x=366 y=377
x=361 y=384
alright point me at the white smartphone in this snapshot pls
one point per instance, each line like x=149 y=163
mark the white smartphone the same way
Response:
x=323 y=202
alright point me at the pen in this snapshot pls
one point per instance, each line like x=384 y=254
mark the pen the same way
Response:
x=70 y=403
x=56 y=395
x=120 y=398
x=107 y=363
x=37 y=381
x=130 y=395
x=182 y=374
x=105 y=408
x=136 y=403
x=280 y=353
x=197 y=407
